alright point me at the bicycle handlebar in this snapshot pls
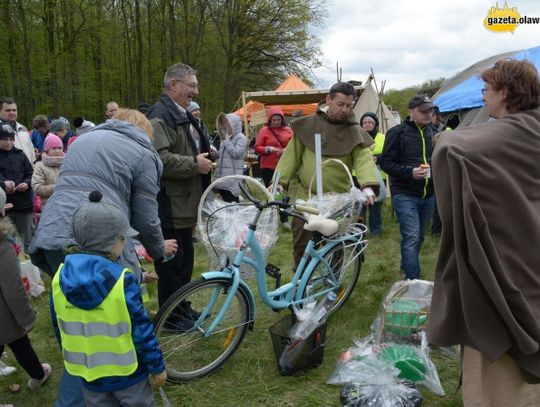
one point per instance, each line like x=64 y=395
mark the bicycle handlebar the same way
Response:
x=299 y=208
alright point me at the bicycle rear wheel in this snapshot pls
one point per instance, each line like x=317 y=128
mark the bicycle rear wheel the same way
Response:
x=180 y=328
x=344 y=261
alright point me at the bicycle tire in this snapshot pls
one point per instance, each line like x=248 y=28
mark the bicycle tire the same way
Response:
x=347 y=276
x=188 y=354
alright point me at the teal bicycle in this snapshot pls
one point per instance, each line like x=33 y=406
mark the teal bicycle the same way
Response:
x=202 y=325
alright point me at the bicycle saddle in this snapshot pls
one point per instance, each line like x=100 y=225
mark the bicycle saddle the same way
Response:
x=326 y=227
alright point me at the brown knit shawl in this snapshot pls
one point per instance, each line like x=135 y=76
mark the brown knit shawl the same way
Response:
x=487 y=281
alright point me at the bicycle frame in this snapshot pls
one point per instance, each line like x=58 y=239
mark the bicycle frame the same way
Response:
x=285 y=296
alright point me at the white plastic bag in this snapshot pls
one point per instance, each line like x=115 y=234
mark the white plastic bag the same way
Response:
x=32 y=274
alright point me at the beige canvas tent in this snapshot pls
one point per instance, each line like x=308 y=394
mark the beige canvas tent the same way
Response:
x=369 y=101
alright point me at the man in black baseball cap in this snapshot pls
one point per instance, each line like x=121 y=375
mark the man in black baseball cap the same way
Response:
x=421 y=101
x=406 y=158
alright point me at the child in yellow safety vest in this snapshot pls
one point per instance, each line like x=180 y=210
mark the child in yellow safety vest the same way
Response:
x=106 y=335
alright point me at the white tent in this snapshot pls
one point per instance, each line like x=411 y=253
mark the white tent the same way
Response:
x=369 y=101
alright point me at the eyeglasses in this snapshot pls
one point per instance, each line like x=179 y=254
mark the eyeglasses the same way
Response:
x=192 y=85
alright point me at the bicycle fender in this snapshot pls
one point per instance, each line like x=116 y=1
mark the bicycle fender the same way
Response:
x=215 y=274
x=220 y=274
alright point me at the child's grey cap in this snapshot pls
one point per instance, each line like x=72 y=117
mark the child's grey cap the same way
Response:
x=97 y=225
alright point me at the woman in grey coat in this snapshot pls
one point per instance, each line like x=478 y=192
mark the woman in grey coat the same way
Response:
x=232 y=151
x=118 y=159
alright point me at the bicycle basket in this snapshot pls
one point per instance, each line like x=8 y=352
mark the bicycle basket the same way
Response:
x=345 y=208
x=222 y=226
x=293 y=355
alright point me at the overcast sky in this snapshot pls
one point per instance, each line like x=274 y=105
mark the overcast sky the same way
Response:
x=408 y=42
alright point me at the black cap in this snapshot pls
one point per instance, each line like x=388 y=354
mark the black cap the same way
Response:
x=6 y=130
x=422 y=101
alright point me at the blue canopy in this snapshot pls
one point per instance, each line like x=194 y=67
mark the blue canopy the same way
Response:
x=464 y=90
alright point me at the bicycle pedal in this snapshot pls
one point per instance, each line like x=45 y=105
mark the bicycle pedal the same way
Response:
x=272 y=271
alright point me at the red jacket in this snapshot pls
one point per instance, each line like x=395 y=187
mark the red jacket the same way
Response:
x=277 y=137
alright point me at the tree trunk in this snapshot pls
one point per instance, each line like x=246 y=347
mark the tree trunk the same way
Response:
x=49 y=8
x=139 y=52
x=13 y=80
x=25 y=59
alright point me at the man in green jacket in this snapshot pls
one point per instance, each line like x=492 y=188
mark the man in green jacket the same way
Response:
x=341 y=138
x=184 y=151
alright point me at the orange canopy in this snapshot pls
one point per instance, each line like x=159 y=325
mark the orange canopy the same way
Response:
x=293 y=82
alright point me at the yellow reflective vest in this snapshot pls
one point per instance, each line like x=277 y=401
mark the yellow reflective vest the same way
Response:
x=96 y=343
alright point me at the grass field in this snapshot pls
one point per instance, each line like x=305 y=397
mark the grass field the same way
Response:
x=251 y=377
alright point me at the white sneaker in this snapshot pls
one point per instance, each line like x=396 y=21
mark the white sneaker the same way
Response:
x=6 y=370
x=286 y=226
x=35 y=383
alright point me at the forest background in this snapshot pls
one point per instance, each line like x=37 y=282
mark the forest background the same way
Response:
x=70 y=57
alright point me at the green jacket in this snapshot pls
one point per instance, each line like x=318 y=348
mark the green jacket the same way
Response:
x=181 y=184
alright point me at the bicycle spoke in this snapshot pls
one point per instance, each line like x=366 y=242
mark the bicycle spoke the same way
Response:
x=188 y=352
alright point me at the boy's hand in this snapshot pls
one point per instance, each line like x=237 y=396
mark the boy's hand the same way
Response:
x=9 y=186
x=149 y=277
x=157 y=381
x=23 y=186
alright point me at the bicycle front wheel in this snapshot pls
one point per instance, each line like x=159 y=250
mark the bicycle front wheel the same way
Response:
x=182 y=328
x=341 y=264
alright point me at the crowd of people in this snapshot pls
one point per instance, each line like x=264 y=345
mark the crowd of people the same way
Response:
x=77 y=199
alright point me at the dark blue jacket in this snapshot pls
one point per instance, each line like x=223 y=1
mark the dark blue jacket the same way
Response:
x=14 y=166
x=86 y=281
x=406 y=146
x=38 y=139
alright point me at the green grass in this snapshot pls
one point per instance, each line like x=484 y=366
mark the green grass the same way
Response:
x=251 y=378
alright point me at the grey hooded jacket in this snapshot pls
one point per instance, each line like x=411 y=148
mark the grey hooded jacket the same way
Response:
x=117 y=159
x=231 y=155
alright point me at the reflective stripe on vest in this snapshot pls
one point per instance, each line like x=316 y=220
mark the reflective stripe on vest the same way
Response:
x=96 y=343
x=94 y=328
x=98 y=359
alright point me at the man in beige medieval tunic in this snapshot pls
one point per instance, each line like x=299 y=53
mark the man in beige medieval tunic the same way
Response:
x=341 y=138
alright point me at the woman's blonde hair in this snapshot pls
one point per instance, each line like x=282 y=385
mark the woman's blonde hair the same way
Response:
x=137 y=118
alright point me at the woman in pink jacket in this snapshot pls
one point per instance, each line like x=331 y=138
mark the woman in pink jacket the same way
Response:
x=271 y=142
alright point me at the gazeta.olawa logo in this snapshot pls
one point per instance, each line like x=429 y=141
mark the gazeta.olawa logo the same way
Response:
x=506 y=19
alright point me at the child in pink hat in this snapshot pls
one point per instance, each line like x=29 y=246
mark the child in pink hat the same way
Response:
x=47 y=170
